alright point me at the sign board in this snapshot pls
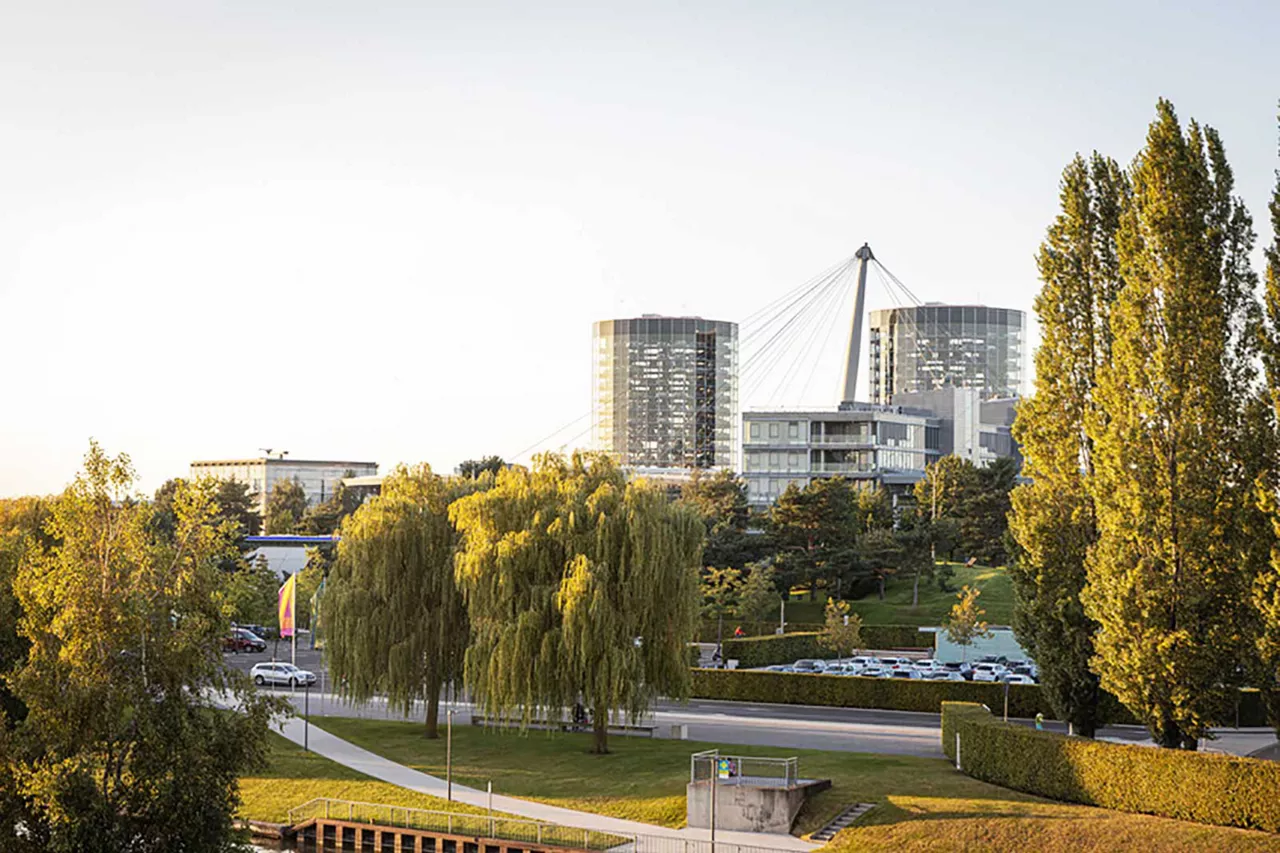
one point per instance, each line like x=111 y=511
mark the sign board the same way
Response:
x=725 y=768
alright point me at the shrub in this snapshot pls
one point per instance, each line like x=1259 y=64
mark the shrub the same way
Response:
x=1207 y=788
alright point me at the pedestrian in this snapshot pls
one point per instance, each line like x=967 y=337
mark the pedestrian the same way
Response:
x=1039 y=722
x=738 y=632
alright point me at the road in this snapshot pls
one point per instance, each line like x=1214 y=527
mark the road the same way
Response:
x=753 y=723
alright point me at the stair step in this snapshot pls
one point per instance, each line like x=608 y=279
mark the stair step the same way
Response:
x=847 y=817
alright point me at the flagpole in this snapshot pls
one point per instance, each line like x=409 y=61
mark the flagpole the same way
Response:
x=293 y=608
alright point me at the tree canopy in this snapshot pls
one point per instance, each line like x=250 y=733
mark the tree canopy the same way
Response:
x=395 y=621
x=124 y=659
x=286 y=506
x=579 y=585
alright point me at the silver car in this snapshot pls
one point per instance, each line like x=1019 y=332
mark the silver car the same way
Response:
x=281 y=673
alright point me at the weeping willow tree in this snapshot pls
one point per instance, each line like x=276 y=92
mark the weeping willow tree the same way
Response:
x=394 y=618
x=580 y=586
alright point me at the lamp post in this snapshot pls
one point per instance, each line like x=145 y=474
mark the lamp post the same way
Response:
x=306 y=718
x=715 y=771
x=448 y=755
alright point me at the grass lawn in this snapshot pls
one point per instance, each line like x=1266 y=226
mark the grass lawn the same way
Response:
x=997 y=599
x=292 y=777
x=925 y=803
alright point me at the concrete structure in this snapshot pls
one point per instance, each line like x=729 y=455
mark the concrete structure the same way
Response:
x=666 y=391
x=318 y=478
x=751 y=794
x=1001 y=642
x=876 y=446
x=933 y=346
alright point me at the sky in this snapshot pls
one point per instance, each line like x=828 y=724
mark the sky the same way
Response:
x=381 y=231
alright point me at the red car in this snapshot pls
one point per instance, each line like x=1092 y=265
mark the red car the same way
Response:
x=240 y=640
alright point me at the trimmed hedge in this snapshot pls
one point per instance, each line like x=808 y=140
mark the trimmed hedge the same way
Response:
x=1207 y=788
x=890 y=694
x=787 y=648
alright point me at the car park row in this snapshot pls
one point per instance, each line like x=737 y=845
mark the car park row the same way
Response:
x=990 y=669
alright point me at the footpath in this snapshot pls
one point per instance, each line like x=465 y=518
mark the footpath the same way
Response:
x=348 y=754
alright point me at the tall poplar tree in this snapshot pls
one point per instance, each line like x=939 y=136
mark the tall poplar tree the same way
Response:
x=1267 y=586
x=579 y=586
x=1174 y=459
x=395 y=622
x=1053 y=521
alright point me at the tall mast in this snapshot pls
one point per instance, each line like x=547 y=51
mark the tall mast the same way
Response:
x=855 y=329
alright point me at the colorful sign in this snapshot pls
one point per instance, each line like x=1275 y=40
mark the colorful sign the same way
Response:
x=288 y=605
x=725 y=768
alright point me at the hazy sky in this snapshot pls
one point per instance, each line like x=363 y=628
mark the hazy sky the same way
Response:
x=381 y=231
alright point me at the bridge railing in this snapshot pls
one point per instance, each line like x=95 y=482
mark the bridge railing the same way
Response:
x=505 y=828
x=743 y=769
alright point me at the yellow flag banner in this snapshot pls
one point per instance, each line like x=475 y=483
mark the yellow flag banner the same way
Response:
x=288 y=605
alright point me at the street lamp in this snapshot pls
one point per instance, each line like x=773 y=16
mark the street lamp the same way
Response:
x=448 y=755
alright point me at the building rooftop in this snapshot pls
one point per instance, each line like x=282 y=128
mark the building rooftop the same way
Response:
x=286 y=460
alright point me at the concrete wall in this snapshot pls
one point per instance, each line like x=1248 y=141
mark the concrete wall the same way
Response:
x=746 y=808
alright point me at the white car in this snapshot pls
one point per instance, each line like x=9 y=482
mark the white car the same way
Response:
x=926 y=664
x=945 y=675
x=1014 y=678
x=863 y=662
x=811 y=666
x=876 y=672
x=281 y=673
x=987 y=672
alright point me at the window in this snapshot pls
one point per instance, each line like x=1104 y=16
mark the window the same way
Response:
x=793 y=430
x=755 y=429
x=753 y=461
x=773 y=462
x=793 y=461
x=775 y=430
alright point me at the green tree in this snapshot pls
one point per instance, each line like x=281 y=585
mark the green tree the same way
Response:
x=577 y=583
x=23 y=524
x=720 y=500
x=842 y=630
x=250 y=593
x=721 y=591
x=1174 y=455
x=123 y=747
x=326 y=517
x=472 y=469
x=758 y=598
x=814 y=532
x=286 y=505
x=395 y=623
x=1053 y=523
x=965 y=623
x=1266 y=592
x=985 y=522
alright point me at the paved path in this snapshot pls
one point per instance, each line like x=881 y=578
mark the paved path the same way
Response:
x=346 y=753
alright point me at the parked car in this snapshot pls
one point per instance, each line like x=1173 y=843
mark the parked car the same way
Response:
x=945 y=675
x=258 y=630
x=905 y=672
x=809 y=665
x=864 y=661
x=988 y=672
x=780 y=667
x=240 y=640
x=281 y=673
x=965 y=670
x=842 y=669
x=1014 y=678
x=1000 y=659
x=926 y=664
x=876 y=672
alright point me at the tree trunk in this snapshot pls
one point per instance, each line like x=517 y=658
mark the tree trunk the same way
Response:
x=600 y=728
x=433 y=709
x=1167 y=734
x=880 y=580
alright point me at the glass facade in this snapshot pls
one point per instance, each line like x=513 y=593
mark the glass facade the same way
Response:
x=927 y=347
x=666 y=391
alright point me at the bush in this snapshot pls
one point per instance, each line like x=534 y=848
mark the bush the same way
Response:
x=787 y=648
x=892 y=694
x=1208 y=788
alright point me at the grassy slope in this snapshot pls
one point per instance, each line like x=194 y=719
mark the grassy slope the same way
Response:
x=997 y=599
x=292 y=777
x=925 y=803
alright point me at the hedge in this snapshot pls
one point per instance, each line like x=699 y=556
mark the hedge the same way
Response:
x=1207 y=788
x=890 y=694
x=786 y=648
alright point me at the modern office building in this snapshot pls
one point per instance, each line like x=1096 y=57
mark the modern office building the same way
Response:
x=875 y=446
x=666 y=391
x=318 y=478
x=932 y=346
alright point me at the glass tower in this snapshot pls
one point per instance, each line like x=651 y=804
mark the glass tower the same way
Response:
x=926 y=347
x=666 y=391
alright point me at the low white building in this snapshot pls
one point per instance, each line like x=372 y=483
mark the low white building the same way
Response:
x=319 y=478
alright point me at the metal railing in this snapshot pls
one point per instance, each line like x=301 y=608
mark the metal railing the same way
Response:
x=744 y=769
x=458 y=823
x=507 y=828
